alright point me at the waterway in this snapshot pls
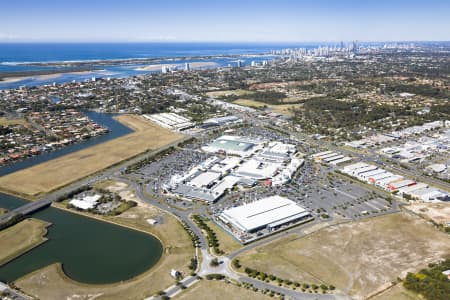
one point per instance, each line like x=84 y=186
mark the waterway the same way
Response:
x=90 y=251
x=116 y=129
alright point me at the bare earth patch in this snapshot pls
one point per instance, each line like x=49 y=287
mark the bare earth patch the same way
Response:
x=112 y=185
x=359 y=258
x=438 y=212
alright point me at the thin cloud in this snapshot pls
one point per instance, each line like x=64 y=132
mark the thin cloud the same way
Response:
x=8 y=36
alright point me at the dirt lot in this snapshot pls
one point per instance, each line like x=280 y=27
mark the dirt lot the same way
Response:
x=398 y=292
x=21 y=238
x=438 y=212
x=218 y=290
x=53 y=174
x=51 y=283
x=113 y=186
x=358 y=258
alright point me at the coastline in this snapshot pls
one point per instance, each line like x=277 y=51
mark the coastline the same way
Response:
x=195 y=65
x=13 y=79
x=43 y=77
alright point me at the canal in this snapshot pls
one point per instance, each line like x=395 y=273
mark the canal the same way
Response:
x=116 y=129
x=90 y=251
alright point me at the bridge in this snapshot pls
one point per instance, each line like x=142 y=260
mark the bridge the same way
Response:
x=26 y=209
x=46 y=201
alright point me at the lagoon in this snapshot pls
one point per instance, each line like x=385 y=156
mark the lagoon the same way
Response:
x=90 y=251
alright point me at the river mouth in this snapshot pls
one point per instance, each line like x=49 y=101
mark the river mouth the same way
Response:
x=90 y=251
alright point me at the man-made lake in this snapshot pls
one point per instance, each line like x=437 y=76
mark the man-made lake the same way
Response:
x=90 y=251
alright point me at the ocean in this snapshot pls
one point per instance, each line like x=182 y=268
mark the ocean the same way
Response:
x=16 y=53
x=16 y=57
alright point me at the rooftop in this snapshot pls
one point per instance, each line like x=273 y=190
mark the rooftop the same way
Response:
x=262 y=212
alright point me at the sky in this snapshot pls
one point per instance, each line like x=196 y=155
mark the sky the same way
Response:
x=223 y=21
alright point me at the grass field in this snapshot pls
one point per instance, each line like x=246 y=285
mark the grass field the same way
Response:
x=218 y=290
x=53 y=174
x=358 y=258
x=229 y=92
x=227 y=243
x=21 y=238
x=250 y=103
x=5 y=121
x=51 y=283
x=283 y=109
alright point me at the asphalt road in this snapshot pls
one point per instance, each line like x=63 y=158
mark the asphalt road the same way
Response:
x=224 y=267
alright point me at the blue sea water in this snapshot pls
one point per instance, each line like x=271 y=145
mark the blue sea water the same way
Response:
x=14 y=57
x=23 y=52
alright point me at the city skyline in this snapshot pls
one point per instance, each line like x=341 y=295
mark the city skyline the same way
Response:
x=203 y=21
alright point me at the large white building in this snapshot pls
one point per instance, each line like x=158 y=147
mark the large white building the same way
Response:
x=86 y=202
x=171 y=121
x=247 y=160
x=234 y=145
x=270 y=213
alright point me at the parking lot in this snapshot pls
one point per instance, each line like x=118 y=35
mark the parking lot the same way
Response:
x=316 y=187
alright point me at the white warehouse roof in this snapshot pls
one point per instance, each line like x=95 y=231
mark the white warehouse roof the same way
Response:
x=257 y=169
x=204 y=179
x=260 y=213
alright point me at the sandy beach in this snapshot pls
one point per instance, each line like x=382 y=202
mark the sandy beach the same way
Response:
x=80 y=73
x=45 y=77
x=13 y=79
x=42 y=77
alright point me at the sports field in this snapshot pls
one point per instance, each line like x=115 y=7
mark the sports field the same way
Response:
x=20 y=238
x=53 y=174
x=359 y=258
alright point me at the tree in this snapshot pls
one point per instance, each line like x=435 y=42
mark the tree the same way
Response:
x=214 y=262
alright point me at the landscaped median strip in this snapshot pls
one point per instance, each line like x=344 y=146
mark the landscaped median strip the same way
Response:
x=305 y=287
x=211 y=236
